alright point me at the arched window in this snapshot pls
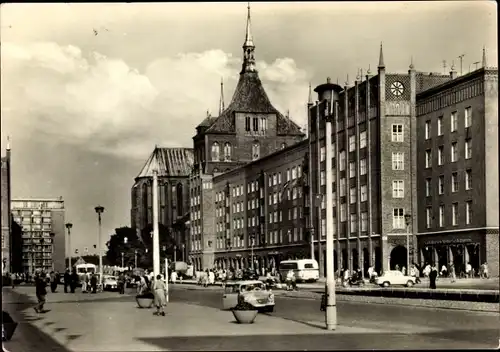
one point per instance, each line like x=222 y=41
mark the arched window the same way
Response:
x=255 y=151
x=180 y=202
x=215 y=152
x=247 y=123
x=263 y=124
x=227 y=152
x=255 y=124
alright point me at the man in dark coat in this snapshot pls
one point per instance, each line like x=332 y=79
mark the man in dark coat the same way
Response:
x=41 y=291
x=433 y=276
x=53 y=282
x=93 y=283
x=74 y=281
x=67 y=280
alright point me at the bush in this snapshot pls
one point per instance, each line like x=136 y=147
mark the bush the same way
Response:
x=146 y=295
x=242 y=305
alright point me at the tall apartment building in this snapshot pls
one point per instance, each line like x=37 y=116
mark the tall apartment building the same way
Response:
x=248 y=129
x=44 y=236
x=374 y=139
x=5 y=209
x=457 y=168
x=174 y=168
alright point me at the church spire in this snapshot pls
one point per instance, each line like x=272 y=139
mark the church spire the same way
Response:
x=484 y=57
x=221 y=102
x=310 y=99
x=381 y=64
x=248 y=48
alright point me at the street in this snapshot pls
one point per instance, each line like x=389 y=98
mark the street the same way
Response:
x=194 y=321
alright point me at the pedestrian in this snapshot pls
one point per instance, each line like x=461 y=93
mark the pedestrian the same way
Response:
x=468 y=270
x=211 y=277
x=41 y=292
x=444 y=271
x=67 y=280
x=453 y=274
x=13 y=280
x=160 y=293
x=173 y=276
x=74 y=280
x=93 y=283
x=53 y=282
x=397 y=267
x=121 y=283
x=433 y=276
x=485 y=270
x=403 y=270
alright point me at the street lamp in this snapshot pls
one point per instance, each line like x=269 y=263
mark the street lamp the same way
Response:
x=69 y=226
x=252 y=238
x=99 y=210
x=135 y=258
x=407 y=221
x=52 y=235
x=123 y=264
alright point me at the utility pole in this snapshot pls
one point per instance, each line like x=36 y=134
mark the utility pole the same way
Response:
x=156 y=234
x=461 y=57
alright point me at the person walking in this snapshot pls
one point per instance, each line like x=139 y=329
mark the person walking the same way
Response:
x=93 y=283
x=453 y=274
x=67 y=280
x=13 y=280
x=73 y=281
x=41 y=292
x=160 y=293
x=433 y=276
x=121 y=283
x=53 y=282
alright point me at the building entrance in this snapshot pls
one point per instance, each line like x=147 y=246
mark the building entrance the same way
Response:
x=398 y=257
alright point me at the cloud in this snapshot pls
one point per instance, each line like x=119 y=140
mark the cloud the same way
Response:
x=103 y=104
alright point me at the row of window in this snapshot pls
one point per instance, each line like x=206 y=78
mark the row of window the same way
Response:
x=32 y=220
x=16 y=205
x=453 y=153
x=455 y=215
x=216 y=152
x=255 y=124
x=453 y=123
x=454 y=184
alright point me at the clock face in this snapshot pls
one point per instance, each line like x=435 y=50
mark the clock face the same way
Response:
x=397 y=88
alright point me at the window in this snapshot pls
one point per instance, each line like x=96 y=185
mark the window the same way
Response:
x=362 y=139
x=323 y=153
x=352 y=195
x=352 y=143
x=322 y=178
x=263 y=124
x=398 y=189
x=454 y=182
x=362 y=167
x=342 y=160
x=440 y=155
x=441 y=215
x=454 y=214
x=428 y=217
x=454 y=121
x=354 y=223
x=215 y=151
x=342 y=187
x=427 y=129
x=468 y=148
x=255 y=151
x=441 y=184
x=398 y=218
x=397 y=133
x=468 y=179
x=333 y=150
x=247 y=124
x=323 y=227
x=364 y=193
x=428 y=158
x=454 y=152
x=398 y=161
x=468 y=116
x=288 y=174
x=440 y=126
x=352 y=169
x=428 y=185
x=227 y=152
x=255 y=124
x=364 y=222
x=343 y=212
x=468 y=212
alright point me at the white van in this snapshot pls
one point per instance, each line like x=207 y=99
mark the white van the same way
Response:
x=304 y=269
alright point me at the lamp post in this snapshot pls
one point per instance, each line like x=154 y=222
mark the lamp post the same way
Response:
x=32 y=251
x=69 y=226
x=135 y=259
x=156 y=231
x=99 y=210
x=123 y=264
x=252 y=239
x=52 y=235
x=407 y=221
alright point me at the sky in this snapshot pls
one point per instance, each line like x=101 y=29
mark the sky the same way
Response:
x=84 y=111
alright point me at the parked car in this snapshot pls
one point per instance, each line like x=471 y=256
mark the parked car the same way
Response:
x=110 y=283
x=253 y=292
x=394 y=277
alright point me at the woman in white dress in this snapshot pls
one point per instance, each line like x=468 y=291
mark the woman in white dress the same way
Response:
x=160 y=293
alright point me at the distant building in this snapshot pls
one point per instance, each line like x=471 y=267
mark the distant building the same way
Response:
x=44 y=235
x=457 y=171
x=174 y=167
x=5 y=209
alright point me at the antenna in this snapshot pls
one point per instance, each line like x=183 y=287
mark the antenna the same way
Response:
x=444 y=66
x=461 y=57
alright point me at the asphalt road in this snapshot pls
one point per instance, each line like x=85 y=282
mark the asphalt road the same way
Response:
x=465 y=328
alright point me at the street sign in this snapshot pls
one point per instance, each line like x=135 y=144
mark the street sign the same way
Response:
x=76 y=251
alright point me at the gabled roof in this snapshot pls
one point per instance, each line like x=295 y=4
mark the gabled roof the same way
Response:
x=168 y=162
x=250 y=96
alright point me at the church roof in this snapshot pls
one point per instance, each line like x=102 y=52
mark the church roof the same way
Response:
x=168 y=162
x=249 y=96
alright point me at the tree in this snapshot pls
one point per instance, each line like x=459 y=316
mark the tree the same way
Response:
x=167 y=242
x=118 y=245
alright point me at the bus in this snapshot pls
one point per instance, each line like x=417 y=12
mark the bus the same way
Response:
x=304 y=269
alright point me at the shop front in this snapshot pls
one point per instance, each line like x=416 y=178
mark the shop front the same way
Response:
x=455 y=248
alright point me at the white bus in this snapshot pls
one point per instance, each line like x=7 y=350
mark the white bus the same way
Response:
x=304 y=269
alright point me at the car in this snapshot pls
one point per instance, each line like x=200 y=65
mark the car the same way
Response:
x=253 y=292
x=110 y=283
x=395 y=277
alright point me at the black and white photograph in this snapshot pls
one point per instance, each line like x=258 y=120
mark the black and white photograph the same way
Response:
x=249 y=176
